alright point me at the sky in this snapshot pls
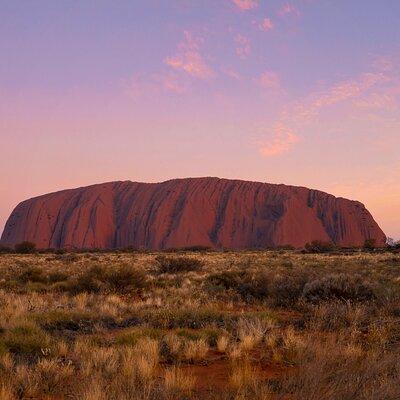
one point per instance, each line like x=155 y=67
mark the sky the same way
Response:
x=301 y=92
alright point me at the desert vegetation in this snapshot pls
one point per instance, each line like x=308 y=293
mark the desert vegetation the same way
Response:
x=281 y=324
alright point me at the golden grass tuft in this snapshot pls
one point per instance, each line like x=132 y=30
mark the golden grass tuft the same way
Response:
x=178 y=380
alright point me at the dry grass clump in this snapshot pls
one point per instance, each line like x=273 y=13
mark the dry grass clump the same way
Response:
x=335 y=370
x=196 y=350
x=243 y=375
x=178 y=381
x=222 y=343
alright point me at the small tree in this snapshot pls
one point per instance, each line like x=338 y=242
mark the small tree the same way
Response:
x=369 y=244
x=25 y=247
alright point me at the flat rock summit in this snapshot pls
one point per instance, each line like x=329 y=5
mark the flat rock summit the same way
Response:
x=189 y=212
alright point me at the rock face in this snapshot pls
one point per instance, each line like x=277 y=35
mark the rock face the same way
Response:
x=189 y=212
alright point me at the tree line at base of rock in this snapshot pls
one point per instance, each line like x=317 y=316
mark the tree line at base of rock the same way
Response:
x=314 y=247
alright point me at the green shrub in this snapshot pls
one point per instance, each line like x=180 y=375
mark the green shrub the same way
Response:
x=120 y=279
x=5 y=249
x=248 y=286
x=125 y=278
x=57 y=276
x=25 y=248
x=184 y=318
x=319 y=246
x=89 y=281
x=279 y=290
x=67 y=257
x=226 y=280
x=172 y=265
x=131 y=338
x=369 y=244
x=287 y=290
x=26 y=340
x=200 y=249
x=336 y=315
x=339 y=287
x=66 y=320
x=32 y=274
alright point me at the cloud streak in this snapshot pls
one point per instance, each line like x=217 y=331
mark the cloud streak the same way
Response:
x=280 y=142
x=289 y=9
x=245 y=5
x=375 y=90
x=243 y=46
x=269 y=80
x=266 y=25
x=189 y=59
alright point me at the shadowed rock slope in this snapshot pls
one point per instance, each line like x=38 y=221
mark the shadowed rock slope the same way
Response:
x=187 y=212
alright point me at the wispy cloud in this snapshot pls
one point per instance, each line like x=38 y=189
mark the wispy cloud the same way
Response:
x=310 y=107
x=269 y=80
x=189 y=59
x=266 y=25
x=243 y=46
x=232 y=73
x=142 y=85
x=374 y=90
x=289 y=9
x=246 y=5
x=279 y=142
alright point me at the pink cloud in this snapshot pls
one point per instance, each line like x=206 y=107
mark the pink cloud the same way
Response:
x=384 y=63
x=266 y=25
x=281 y=141
x=269 y=80
x=246 y=5
x=384 y=101
x=346 y=90
x=370 y=90
x=231 y=73
x=289 y=9
x=142 y=85
x=243 y=48
x=190 y=60
x=170 y=83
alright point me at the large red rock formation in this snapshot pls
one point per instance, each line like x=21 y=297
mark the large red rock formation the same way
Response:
x=187 y=212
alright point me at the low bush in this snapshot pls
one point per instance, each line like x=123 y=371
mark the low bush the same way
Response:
x=119 y=279
x=200 y=249
x=32 y=274
x=286 y=291
x=185 y=318
x=26 y=340
x=5 y=249
x=337 y=315
x=279 y=290
x=131 y=338
x=340 y=287
x=369 y=244
x=125 y=278
x=66 y=320
x=57 y=276
x=90 y=281
x=25 y=248
x=172 y=265
x=318 y=246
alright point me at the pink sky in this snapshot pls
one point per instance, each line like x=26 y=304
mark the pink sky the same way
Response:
x=247 y=89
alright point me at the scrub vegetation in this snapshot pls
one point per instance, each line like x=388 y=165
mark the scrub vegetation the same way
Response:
x=281 y=324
